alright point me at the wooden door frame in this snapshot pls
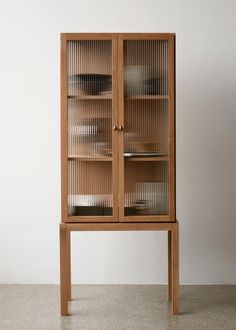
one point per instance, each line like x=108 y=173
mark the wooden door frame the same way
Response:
x=170 y=37
x=64 y=128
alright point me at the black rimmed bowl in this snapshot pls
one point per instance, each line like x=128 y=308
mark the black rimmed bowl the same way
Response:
x=91 y=83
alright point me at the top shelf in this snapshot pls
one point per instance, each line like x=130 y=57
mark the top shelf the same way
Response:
x=90 y=97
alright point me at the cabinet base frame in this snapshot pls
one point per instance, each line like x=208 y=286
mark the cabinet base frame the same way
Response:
x=173 y=255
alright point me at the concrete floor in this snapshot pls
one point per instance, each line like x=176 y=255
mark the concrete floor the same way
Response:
x=111 y=307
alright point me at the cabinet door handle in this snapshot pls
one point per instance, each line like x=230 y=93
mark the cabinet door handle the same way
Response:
x=120 y=128
x=114 y=128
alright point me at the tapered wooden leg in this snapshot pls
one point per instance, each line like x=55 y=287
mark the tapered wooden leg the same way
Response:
x=68 y=259
x=175 y=269
x=169 y=266
x=64 y=273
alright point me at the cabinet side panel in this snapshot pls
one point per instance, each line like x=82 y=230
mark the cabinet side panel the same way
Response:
x=171 y=120
x=63 y=130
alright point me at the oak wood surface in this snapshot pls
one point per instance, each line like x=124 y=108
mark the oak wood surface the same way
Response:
x=118 y=99
x=115 y=147
x=120 y=65
x=68 y=265
x=147 y=159
x=169 y=265
x=90 y=97
x=118 y=222
x=171 y=127
x=64 y=270
x=64 y=125
x=91 y=159
x=122 y=226
x=147 y=97
x=173 y=254
x=175 y=269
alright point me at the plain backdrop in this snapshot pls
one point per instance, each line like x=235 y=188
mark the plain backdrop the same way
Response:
x=30 y=143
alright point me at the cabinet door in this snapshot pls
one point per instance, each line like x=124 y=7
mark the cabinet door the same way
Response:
x=146 y=119
x=89 y=112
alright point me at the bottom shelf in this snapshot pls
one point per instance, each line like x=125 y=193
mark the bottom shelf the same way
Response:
x=91 y=211
x=129 y=211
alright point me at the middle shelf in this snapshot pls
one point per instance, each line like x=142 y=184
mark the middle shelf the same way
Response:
x=109 y=159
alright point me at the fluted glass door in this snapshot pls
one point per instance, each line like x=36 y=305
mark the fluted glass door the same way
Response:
x=91 y=112
x=145 y=120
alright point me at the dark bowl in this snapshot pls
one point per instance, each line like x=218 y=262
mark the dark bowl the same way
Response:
x=153 y=86
x=92 y=83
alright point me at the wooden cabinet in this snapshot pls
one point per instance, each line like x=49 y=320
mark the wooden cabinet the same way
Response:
x=118 y=141
x=118 y=127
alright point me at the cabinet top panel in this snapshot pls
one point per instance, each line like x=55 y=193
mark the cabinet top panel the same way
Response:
x=109 y=36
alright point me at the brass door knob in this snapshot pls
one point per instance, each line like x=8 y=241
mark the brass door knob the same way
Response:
x=114 y=128
x=120 y=128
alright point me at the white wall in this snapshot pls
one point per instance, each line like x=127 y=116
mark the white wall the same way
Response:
x=29 y=142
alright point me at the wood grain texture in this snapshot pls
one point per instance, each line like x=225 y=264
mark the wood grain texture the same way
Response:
x=122 y=226
x=64 y=150
x=115 y=147
x=90 y=97
x=64 y=128
x=171 y=127
x=169 y=265
x=175 y=269
x=90 y=219
x=118 y=51
x=68 y=264
x=88 y=36
x=170 y=37
x=91 y=159
x=118 y=222
x=173 y=254
x=120 y=64
x=147 y=97
x=64 y=271
x=147 y=159
x=147 y=36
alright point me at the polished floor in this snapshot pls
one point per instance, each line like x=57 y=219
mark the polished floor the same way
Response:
x=109 y=307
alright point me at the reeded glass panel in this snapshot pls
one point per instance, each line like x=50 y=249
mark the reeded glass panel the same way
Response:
x=145 y=67
x=90 y=188
x=89 y=106
x=146 y=189
x=90 y=128
x=89 y=98
x=146 y=127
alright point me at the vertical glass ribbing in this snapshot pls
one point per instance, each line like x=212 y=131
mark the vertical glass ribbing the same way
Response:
x=89 y=98
x=146 y=188
x=145 y=67
x=90 y=188
x=146 y=127
x=89 y=105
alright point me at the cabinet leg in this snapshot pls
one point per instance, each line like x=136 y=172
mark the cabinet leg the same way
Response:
x=68 y=259
x=175 y=269
x=64 y=269
x=169 y=266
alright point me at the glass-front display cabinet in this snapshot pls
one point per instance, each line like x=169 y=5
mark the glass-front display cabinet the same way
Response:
x=118 y=127
x=118 y=141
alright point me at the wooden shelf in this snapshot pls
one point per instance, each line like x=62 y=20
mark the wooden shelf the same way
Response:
x=109 y=97
x=147 y=97
x=90 y=97
x=90 y=159
x=147 y=159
